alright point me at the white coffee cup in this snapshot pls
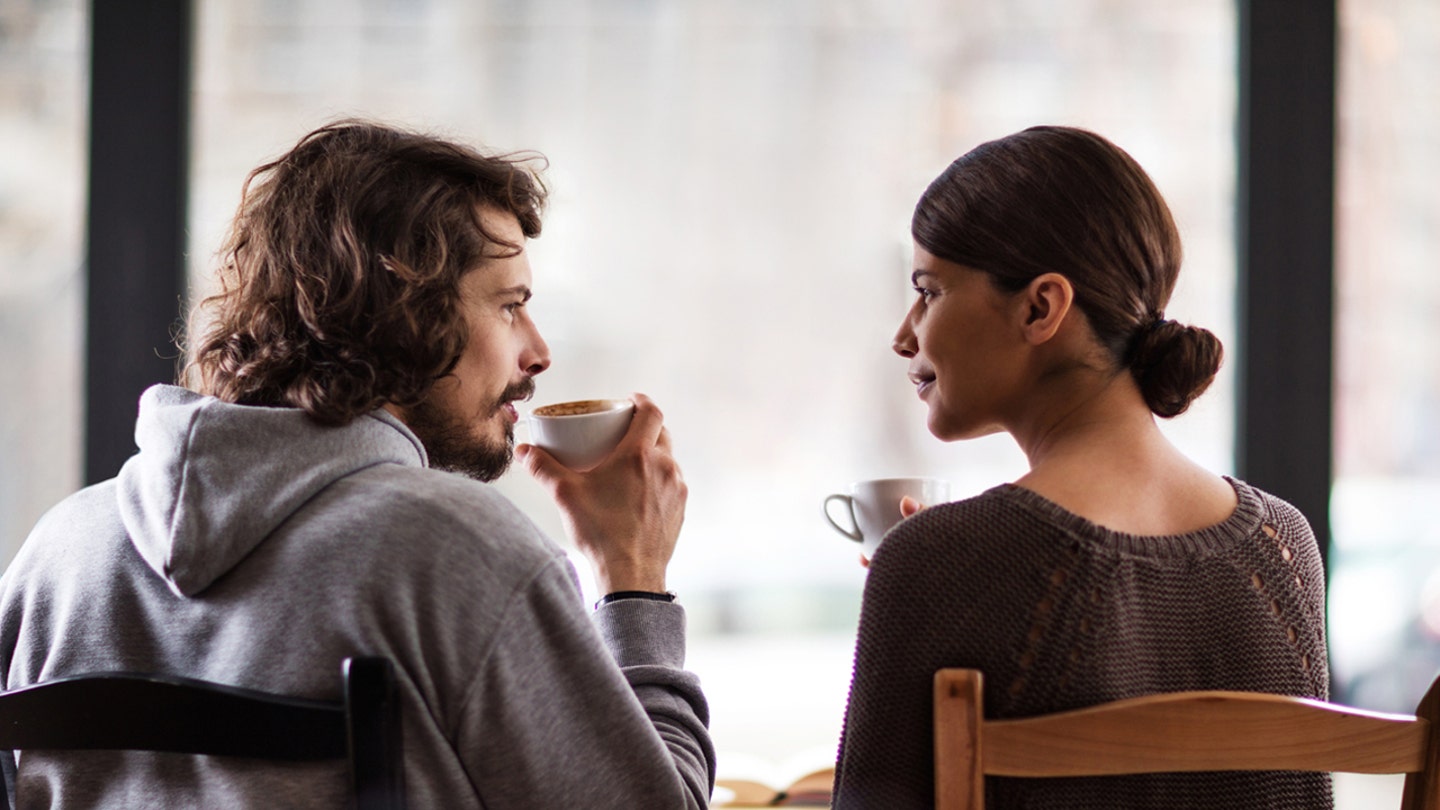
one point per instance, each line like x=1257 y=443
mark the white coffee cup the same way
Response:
x=874 y=506
x=581 y=433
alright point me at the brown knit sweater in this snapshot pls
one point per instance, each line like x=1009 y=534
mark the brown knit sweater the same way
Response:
x=1061 y=613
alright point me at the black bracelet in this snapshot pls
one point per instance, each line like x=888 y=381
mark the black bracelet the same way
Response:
x=651 y=595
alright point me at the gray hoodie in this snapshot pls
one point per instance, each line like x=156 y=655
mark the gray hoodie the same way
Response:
x=250 y=546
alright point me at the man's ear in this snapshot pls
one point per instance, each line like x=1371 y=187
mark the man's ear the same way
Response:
x=1045 y=303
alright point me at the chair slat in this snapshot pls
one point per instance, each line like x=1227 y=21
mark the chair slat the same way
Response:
x=1205 y=731
x=145 y=712
x=161 y=713
x=958 y=719
x=375 y=734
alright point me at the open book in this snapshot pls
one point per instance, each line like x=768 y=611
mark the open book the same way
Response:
x=804 y=780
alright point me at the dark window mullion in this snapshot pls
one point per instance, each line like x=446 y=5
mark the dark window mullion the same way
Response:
x=135 y=234
x=1285 y=242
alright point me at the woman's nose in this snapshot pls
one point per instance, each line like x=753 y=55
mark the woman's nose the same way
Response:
x=904 y=341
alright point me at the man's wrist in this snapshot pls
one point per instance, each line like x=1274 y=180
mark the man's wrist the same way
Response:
x=612 y=576
x=653 y=596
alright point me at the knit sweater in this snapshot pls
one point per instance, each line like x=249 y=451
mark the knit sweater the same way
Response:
x=1060 y=613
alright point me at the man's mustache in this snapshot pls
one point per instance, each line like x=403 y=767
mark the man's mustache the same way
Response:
x=518 y=392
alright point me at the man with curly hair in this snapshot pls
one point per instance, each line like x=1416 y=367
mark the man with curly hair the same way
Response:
x=287 y=509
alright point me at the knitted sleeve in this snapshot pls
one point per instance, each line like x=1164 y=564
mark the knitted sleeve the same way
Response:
x=943 y=590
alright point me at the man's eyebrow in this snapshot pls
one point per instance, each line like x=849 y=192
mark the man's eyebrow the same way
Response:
x=519 y=289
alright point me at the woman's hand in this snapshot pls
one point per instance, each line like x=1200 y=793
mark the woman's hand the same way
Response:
x=625 y=514
x=908 y=507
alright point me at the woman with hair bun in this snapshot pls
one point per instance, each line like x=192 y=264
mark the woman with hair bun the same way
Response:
x=1116 y=567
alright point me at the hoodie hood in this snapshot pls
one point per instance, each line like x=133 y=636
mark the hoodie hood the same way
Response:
x=212 y=479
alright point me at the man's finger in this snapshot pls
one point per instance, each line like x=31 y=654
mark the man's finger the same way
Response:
x=541 y=465
x=646 y=425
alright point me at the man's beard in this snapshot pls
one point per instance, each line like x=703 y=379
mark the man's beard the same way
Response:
x=453 y=447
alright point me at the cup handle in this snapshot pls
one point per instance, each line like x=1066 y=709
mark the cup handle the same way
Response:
x=854 y=531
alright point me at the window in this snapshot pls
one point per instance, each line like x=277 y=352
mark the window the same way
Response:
x=1385 y=580
x=729 y=234
x=1385 y=555
x=43 y=81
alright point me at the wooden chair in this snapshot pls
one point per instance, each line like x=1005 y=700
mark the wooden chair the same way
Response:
x=1182 y=731
x=143 y=712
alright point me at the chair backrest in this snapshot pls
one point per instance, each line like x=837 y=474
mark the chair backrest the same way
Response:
x=145 y=712
x=1180 y=731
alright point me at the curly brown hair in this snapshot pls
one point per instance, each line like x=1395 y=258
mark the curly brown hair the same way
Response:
x=339 y=280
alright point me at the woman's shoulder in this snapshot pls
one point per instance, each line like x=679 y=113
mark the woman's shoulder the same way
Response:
x=1271 y=505
x=998 y=509
x=974 y=556
x=1278 y=517
x=965 y=527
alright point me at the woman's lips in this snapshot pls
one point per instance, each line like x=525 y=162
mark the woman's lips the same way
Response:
x=923 y=381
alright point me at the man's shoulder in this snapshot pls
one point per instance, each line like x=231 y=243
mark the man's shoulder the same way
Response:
x=421 y=483
x=80 y=534
x=427 y=505
x=88 y=512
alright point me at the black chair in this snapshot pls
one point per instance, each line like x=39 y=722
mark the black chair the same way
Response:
x=142 y=712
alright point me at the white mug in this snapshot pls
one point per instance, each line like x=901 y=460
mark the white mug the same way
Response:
x=581 y=433
x=874 y=506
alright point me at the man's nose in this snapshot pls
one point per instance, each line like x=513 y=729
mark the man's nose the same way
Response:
x=536 y=356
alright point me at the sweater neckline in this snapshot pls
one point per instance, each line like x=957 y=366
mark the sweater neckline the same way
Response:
x=1242 y=522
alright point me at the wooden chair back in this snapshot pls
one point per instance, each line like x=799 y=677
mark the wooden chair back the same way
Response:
x=147 y=712
x=1181 y=731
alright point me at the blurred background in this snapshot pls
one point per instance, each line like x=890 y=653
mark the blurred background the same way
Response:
x=728 y=232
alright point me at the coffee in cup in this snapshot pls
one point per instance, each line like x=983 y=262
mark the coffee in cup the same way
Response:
x=873 y=507
x=580 y=433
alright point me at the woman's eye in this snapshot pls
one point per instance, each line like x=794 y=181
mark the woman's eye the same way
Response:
x=925 y=295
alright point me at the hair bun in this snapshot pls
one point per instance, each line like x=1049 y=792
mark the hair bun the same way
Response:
x=1173 y=364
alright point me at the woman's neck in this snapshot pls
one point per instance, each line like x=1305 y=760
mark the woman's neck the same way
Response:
x=1095 y=449
x=1089 y=413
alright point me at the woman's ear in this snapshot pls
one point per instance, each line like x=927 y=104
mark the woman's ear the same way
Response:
x=1045 y=303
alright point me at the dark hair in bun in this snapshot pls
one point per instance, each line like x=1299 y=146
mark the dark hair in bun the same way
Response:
x=1173 y=363
x=1064 y=200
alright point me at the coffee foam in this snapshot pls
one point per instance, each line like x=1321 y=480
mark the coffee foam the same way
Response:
x=580 y=407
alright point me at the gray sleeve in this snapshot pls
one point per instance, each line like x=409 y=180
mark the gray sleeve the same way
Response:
x=647 y=640
x=551 y=721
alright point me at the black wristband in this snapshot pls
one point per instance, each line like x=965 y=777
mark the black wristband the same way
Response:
x=651 y=595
